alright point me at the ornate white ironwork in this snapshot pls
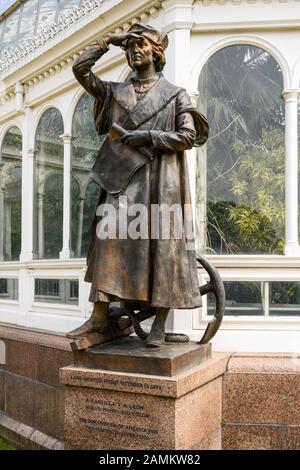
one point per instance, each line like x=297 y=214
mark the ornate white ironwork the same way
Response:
x=65 y=21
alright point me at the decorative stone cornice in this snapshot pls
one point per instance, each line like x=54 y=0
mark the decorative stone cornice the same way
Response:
x=66 y=20
x=246 y=25
x=64 y=63
x=176 y=25
x=5 y=97
x=237 y=2
x=89 y=6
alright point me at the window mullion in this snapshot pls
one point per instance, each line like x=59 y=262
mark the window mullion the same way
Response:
x=66 y=252
x=291 y=172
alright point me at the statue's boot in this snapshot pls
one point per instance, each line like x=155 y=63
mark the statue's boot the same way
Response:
x=96 y=323
x=157 y=334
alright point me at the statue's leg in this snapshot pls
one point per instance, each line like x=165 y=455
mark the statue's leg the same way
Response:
x=97 y=322
x=156 y=336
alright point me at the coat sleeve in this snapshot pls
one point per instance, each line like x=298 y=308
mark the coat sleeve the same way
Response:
x=190 y=128
x=182 y=139
x=83 y=73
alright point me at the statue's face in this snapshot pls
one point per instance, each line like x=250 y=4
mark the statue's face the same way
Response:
x=139 y=53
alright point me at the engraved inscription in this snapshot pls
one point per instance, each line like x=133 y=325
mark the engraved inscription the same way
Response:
x=124 y=409
x=123 y=383
x=137 y=432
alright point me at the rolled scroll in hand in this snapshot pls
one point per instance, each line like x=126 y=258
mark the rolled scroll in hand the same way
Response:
x=117 y=131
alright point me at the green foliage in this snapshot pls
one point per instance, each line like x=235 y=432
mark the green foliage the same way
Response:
x=13 y=198
x=12 y=141
x=85 y=148
x=89 y=208
x=258 y=184
x=5 y=446
x=243 y=82
x=53 y=215
x=10 y=182
x=87 y=142
x=241 y=92
x=285 y=293
x=254 y=224
x=236 y=228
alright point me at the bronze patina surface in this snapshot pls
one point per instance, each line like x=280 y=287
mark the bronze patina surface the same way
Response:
x=115 y=329
x=131 y=355
x=148 y=124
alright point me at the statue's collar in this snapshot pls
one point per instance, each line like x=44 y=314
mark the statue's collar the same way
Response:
x=154 y=100
x=147 y=81
x=124 y=94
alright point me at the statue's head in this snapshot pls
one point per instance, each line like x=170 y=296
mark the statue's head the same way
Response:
x=149 y=47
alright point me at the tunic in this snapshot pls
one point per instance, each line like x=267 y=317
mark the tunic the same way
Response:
x=159 y=271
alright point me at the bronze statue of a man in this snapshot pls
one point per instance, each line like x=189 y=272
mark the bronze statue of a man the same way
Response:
x=154 y=122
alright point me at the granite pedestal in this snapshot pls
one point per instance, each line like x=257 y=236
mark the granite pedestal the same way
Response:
x=123 y=395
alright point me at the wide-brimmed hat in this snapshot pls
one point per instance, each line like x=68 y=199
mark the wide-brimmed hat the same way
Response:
x=153 y=35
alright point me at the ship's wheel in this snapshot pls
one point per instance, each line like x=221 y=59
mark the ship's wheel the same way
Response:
x=137 y=314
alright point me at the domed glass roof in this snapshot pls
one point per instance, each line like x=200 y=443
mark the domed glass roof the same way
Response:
x=28 y=19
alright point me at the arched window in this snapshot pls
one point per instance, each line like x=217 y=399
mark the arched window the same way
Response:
x=10 y=195
x=240 y=180
x=48 y=200
x=84 y=194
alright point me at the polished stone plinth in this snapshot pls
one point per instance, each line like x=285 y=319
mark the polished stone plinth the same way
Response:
x=261 y=402
x=107 y=409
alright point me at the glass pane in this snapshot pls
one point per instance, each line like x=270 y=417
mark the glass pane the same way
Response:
x=240 y=181
x=10 y=32
x=284 y=298
x=10 y=195
x=65 y=6
x=48 y=201
x=47 y=14
x=63 y=291
x=28 y=20
x=84 y=192
x=9 y=289
x=242 y=298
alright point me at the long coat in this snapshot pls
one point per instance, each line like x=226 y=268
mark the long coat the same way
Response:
x=159 y=271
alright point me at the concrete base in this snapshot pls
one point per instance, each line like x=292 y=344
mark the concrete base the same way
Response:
x=122 y=410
